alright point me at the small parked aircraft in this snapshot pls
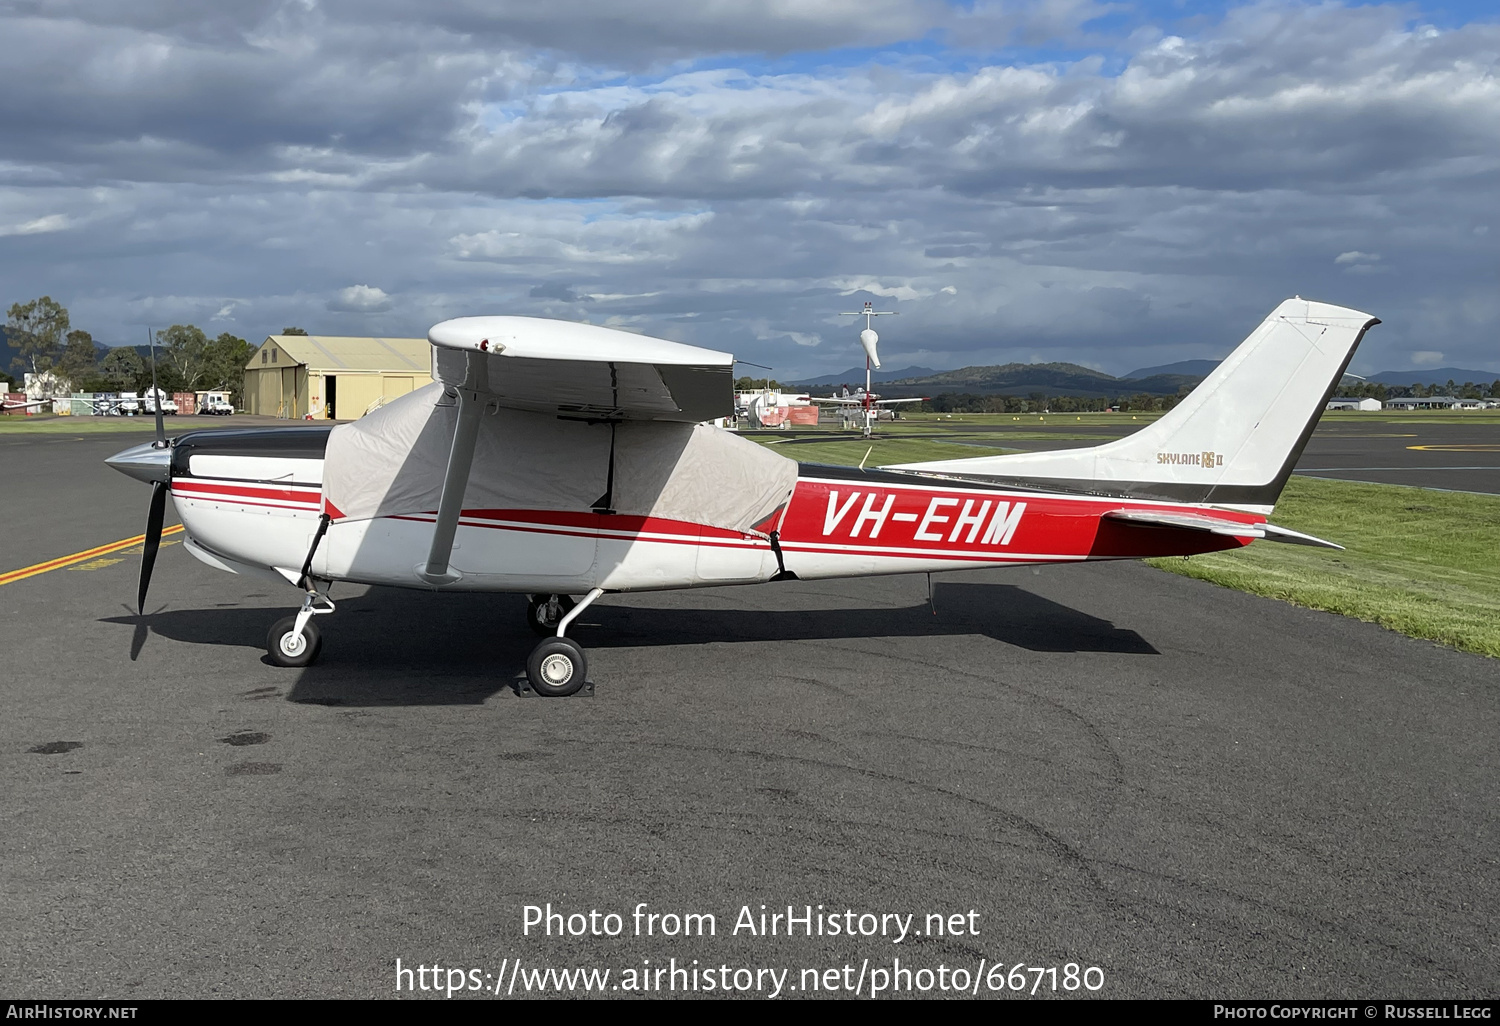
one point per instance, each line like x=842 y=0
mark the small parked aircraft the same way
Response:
x=862 y=404
x=558 y=459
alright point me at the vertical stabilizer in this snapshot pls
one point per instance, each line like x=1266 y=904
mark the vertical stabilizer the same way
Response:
x=1235 y=438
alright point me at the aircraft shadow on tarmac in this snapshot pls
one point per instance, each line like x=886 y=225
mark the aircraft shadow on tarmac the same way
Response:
x=394 y=647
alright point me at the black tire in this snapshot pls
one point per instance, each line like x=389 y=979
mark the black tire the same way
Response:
x=536 y=616
x=557 y=668
x=284 y=651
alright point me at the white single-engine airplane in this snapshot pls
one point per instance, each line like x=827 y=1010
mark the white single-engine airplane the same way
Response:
x=559 y=459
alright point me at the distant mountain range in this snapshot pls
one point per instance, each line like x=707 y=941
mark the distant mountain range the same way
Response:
x=857 y=376
x=1193 y=368
x=1015 y=379
x=1072 y=379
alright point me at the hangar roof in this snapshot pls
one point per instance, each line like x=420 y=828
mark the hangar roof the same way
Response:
x=344 y=353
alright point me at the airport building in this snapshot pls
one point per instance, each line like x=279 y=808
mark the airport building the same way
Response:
x=1434 y=402
x=328 y=377
x=1354 y=404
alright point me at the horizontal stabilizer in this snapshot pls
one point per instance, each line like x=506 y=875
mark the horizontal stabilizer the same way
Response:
x=1286 y=534
x=1216 y=525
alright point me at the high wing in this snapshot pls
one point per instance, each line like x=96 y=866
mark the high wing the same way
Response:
x=859 y=400
x=531 y=363
x=580 y=371
x=1216 y=525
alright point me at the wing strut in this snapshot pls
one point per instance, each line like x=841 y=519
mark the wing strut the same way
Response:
x=471 y=400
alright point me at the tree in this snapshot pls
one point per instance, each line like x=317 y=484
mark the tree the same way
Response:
x=185 y=357
x=79 y=359
x=35 y=330
x=226 y=357
x=123 y=368
x=293 y=331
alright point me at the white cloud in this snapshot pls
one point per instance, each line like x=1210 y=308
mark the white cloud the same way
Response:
x=37 y=226
x=360 y=299
x=1426 y=358
x=1354 y=256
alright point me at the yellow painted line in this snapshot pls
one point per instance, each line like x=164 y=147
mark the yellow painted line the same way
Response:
x=79 y=557
x=1479 y=447
x=98 y=564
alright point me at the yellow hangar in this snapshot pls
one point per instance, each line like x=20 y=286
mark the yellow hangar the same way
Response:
x=329 y=377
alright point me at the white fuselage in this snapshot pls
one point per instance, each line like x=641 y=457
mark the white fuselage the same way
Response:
x=260 y=514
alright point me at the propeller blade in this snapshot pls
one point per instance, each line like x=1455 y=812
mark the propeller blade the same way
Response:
x=153 y=541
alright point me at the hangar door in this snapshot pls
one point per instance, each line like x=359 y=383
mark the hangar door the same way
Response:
x=268 y=393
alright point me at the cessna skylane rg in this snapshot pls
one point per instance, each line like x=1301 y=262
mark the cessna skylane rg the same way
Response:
x=558 y=460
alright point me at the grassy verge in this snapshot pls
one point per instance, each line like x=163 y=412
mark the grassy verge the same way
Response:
x=1424 y=563
x=848 y=451
x=53 y=425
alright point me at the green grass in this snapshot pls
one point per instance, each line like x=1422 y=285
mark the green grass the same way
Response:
x=1421 y=562
x=848 y=450
x=53 y=425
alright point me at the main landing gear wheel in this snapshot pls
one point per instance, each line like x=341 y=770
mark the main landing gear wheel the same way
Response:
x=289 y=648
x=544 y=611
x=557 y=668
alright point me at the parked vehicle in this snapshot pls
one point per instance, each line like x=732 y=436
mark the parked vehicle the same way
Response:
x=129 y=404
x=215 y=404
x=153 y=396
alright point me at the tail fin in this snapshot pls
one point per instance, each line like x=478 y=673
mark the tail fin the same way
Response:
x=1232 y=442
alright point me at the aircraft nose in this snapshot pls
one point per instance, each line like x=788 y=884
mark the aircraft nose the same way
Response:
x=145 y=462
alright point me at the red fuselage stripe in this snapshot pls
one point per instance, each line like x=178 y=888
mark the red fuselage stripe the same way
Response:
x=846 y=518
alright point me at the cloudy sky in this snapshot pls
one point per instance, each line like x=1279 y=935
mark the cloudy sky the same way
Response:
x=1112 y=183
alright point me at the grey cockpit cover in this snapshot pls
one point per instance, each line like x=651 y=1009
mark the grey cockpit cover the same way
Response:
x=392 y=461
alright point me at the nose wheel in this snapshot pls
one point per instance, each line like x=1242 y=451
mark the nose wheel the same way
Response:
x=288 y=646
x=296 y=640
x=557 y=667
